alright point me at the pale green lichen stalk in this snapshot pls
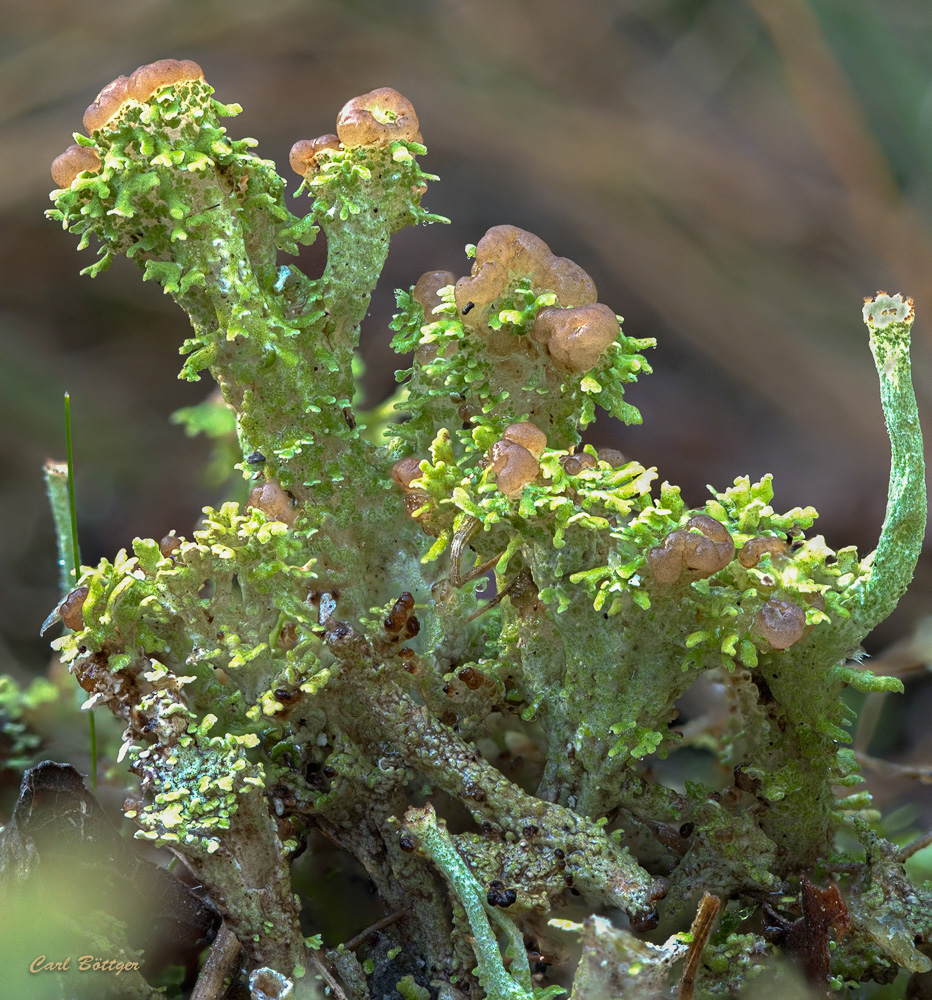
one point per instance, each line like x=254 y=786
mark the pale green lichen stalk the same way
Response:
x=481 y=915
x=321 y=659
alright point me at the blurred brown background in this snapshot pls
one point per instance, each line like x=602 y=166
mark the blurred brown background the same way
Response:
x=735 y=174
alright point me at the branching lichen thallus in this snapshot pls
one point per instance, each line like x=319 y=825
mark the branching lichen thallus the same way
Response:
x=320 y=658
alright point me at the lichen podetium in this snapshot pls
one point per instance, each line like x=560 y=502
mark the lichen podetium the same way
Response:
x=321 y=658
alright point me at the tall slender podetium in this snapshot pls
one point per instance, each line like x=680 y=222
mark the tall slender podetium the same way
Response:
x=76 y=565
x=319 y=658
x=72 y=507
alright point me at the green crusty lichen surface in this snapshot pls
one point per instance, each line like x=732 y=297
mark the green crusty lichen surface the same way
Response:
x=323 y=659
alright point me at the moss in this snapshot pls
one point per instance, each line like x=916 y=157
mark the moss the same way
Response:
x=18 y=742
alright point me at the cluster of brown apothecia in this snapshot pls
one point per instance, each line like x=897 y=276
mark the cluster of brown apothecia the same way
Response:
x=575 y=334
x=124 y=90
x=698 y=551
x=688 y=555
x=374 y=119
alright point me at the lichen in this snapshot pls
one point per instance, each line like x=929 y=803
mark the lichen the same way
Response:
x=321 y=659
